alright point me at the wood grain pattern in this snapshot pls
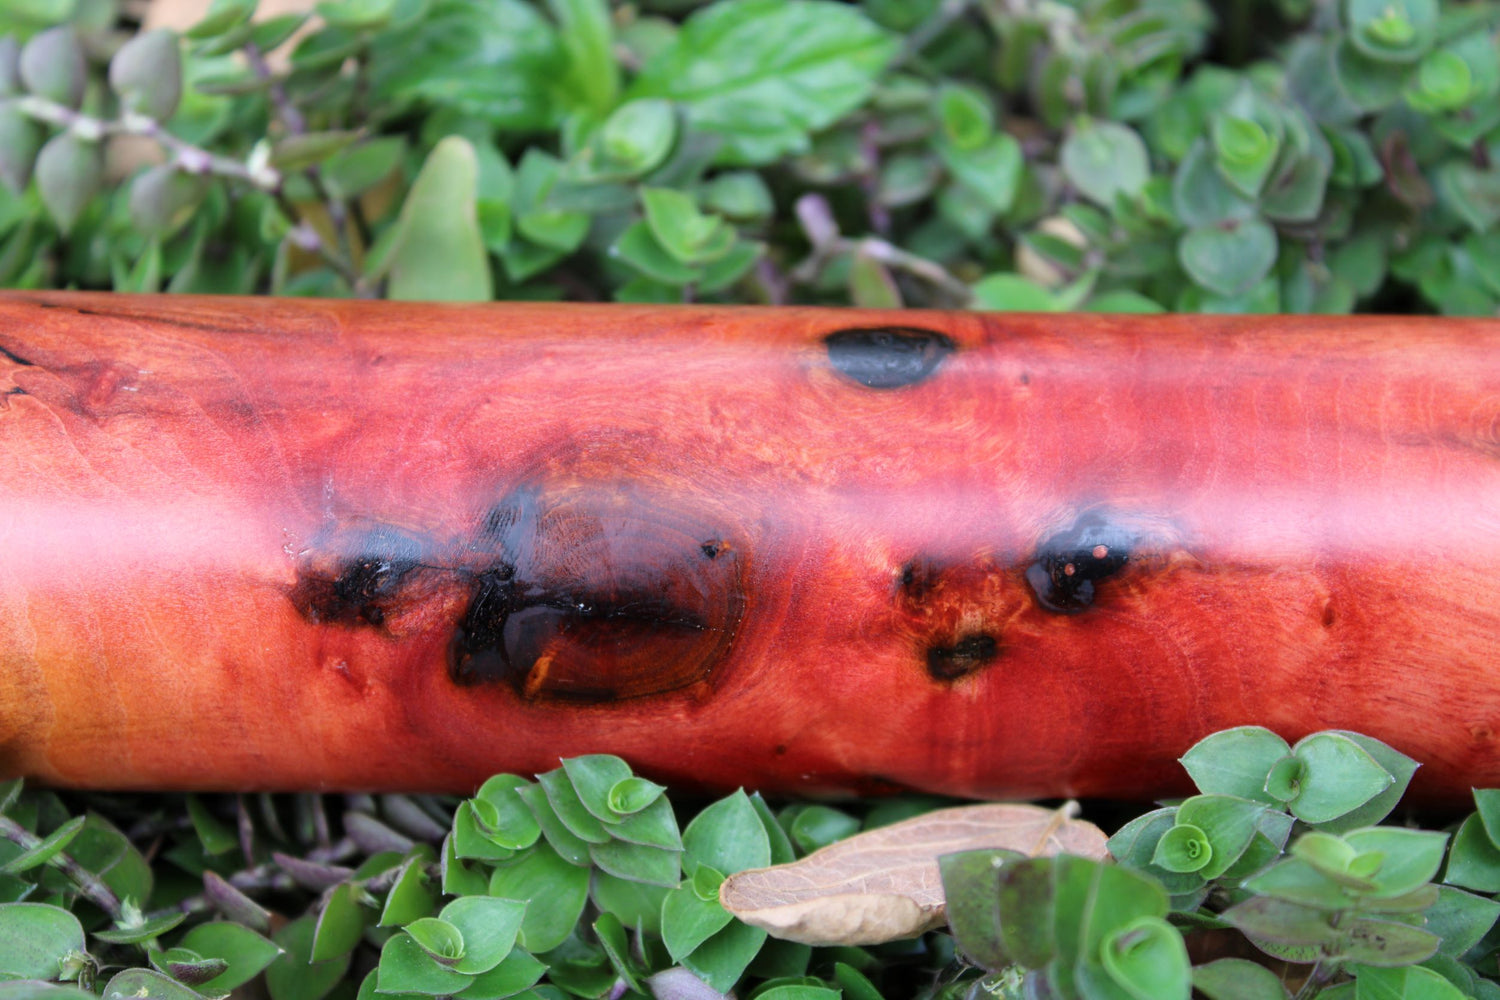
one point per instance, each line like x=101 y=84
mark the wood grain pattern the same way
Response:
x=272 y=544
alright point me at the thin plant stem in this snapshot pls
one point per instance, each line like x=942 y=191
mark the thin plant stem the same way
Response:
x=88 y=883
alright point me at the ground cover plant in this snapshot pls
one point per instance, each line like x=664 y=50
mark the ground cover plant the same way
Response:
x=1120 y=155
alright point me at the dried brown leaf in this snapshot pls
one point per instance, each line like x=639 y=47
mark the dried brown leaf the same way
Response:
x=883 y=885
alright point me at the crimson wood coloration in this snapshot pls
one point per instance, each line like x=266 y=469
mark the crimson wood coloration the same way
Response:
x=273 y=544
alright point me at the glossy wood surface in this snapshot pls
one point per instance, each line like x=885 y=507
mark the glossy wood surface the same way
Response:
x=276 y=544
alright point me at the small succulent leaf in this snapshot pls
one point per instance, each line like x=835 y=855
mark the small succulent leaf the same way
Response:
x=1237 y=979
x=1105 y=160
x=488 y=928
x=69 y=173
x=36 y=938
x=542 y=874
x=1341 y=776
x=1148 y=959
x=52 y=66
x=245 y=952
x=146 y=73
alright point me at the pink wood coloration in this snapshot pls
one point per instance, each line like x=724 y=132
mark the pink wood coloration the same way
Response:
x=239 y=539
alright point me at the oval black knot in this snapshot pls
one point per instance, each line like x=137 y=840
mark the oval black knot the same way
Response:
x=1070 y=564
x=888 y=357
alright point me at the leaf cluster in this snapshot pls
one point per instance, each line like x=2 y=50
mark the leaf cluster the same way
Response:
x=1279 y=850
x=1087 y=154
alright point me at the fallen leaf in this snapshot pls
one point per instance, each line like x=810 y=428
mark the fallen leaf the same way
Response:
x=883 y=885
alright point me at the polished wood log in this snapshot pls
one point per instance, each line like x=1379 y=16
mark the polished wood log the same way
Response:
x=252 y=544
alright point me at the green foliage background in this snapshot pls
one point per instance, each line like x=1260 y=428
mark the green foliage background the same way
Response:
x=1113 y=155
x=1121 y=155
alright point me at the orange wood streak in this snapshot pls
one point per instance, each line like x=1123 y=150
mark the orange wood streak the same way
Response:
x=1316 y=504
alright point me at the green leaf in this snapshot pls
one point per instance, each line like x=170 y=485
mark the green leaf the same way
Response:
x=727 y=836
x=1474 y=861
x=592 y=79
x=1392 y=30
x=1148 y=959
x=309 y=149
x=1409 y=983
x=569 y=847
x=147 y=984
x=341 y=924
x=1443 y=82
x=681 y=229
x=1228 y=822
x=20 y=138
x=639 y=134
x=487 y=927
x=1105 y=160
x=1278 y=921
x=990 y=173
x=594 y=776
x=688 y=920
x=129 y=932
x=146 y=72
x=616 y=944
x=516 y=973
x=405 y=967
x=1237 y=979
x=1235 y=762
x=798 y=991
x=1340 y=777
x=971 y=881
x=498 y=62
x=640 y=249
x=818 y=826
x=457 y=877
x=1461 y=919
x=1228 y=258
x=352 y=171
x=638 y=862
x=438 y=254
x=967 y=116
x=1471 y=193
x=631 y=795
x=409 y=897
x=472 y=834
x=294 y=976
x=222 y=16
x=1244 y=152
x=509 y=822
x=162 y=200
x=723 y=958
x=633 y=903
x=35 y=939
x=69 y=172
x=247 y=952
x=560 y=230
x=1383 y=943
x=764 y=74
x=542 y=874
x=187 y=967
x=1183 y=848
x=52 y=66
x=1299 y=881
x=440 y=939
x=1201 y=196
x=1487 y=802
x=357 y=15
x=565 y=803
x=1410 y=858
x=1013 y=293
x=48 y=848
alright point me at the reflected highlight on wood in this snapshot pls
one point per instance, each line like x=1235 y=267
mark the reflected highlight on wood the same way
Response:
x=273 y=544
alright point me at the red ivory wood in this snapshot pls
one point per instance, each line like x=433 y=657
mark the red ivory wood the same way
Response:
x=253 y=544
